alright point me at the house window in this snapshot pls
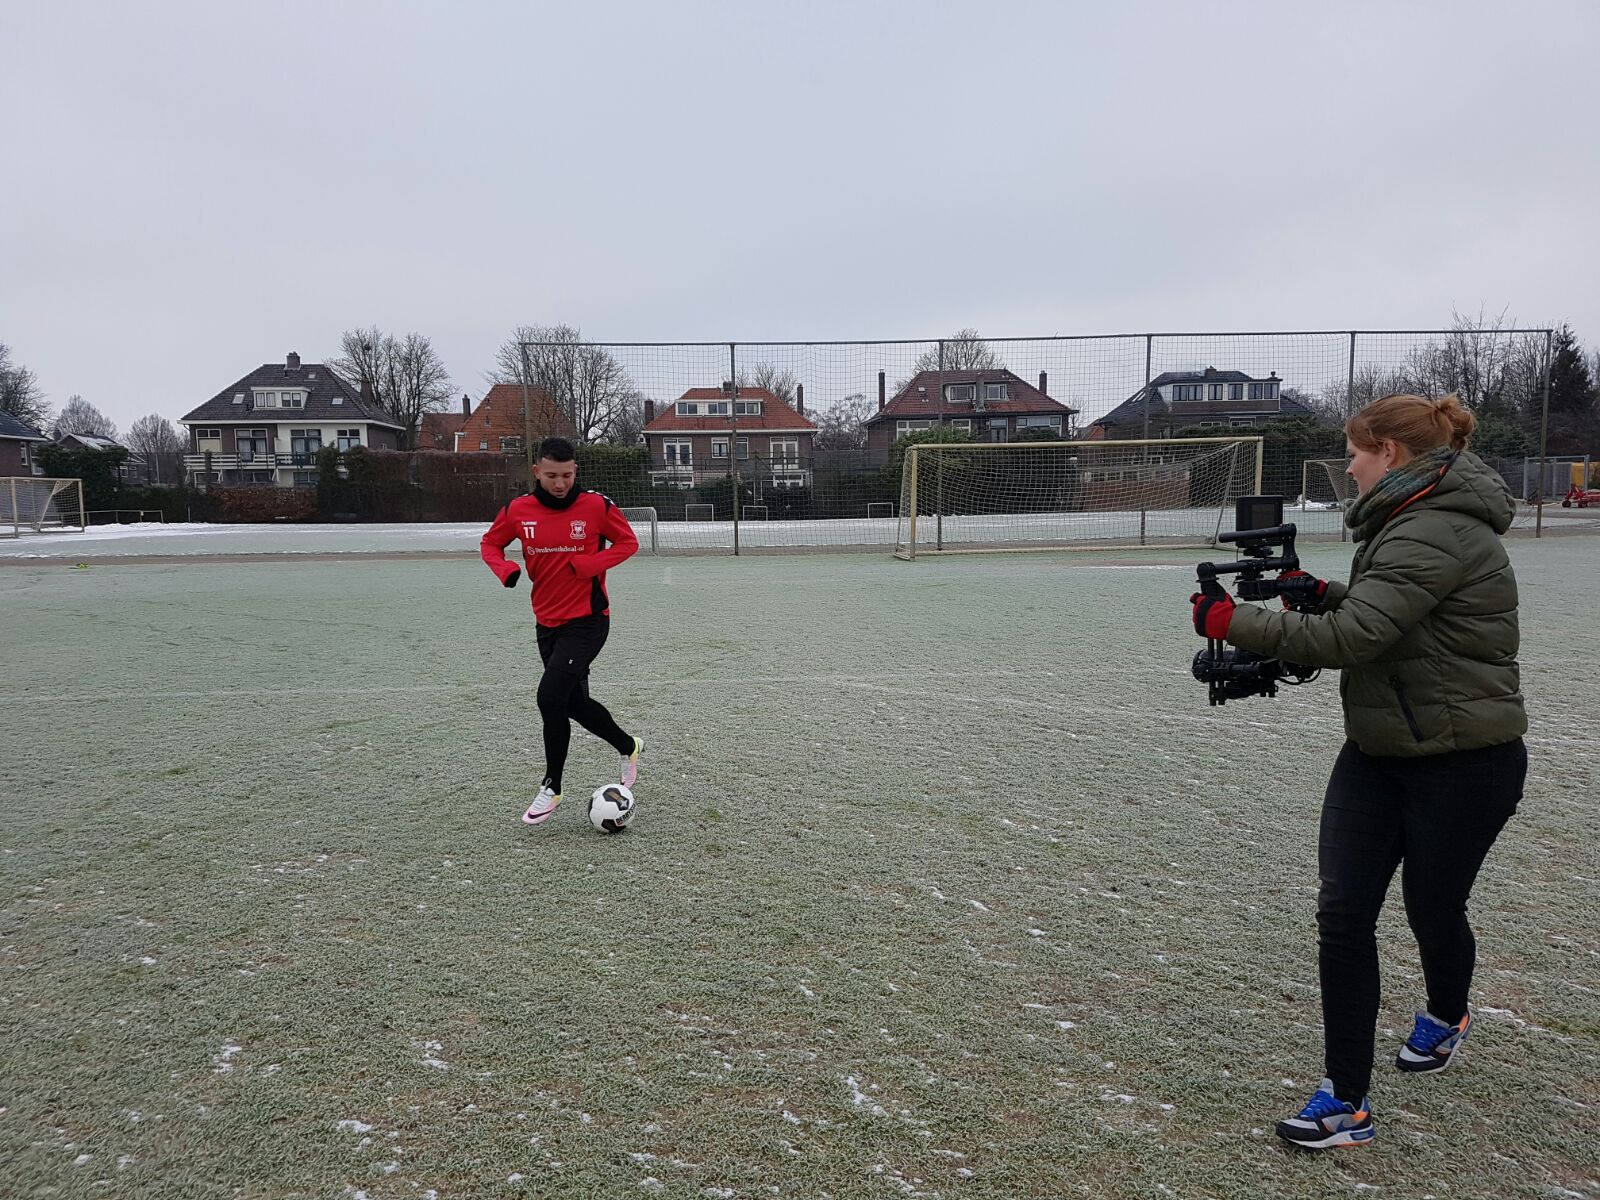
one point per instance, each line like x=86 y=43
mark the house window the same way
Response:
x=1046 y=422
x=250 y=443
x=688 y=408
x=962 y=423
x=305 y=443
x=1216 y=392
x=214 y=436
x=510 y=445
x=483 y=445
x=901 y=428
x=1263 y=391
x=748 y=408
x=255 y=476
x=743 y=448
x=305 y=479
x=719 y=447
x=785 y=452
x=716 y=408
x=1186 y=391
x=678 y=454
x=994 y=391
x=349 y=439
x=960 y=393
x=1236 y=391
x=1236 y=422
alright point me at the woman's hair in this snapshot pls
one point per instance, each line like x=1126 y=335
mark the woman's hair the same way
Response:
x=1415 y=422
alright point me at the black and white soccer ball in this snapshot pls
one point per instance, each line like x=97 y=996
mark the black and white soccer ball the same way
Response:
x=611 y=808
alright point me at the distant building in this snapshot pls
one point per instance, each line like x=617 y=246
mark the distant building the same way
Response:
x=705 y=432
x=269 y=427
x=1187 y=399
x=992 y=405
x=19 y=447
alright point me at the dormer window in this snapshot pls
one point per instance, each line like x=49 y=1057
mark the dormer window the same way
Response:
x=716 y=408
x=994 y=391
x=280 y=399
x=1186 y=391
x=688 y=408
x=960 y=393
x=748 y=408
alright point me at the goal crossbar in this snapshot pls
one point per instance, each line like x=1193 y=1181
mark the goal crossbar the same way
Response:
x=965 y=497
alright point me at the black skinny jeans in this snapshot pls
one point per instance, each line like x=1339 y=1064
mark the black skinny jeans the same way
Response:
x=1438 y=815
x=567 y=650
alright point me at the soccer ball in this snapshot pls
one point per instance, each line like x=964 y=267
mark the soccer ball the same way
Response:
x=611 y=808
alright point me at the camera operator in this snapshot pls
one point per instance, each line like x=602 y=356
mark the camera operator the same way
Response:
x=1426 y=633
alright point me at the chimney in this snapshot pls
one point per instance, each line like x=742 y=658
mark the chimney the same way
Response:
x=466 y=405
x=366 y=390
x=880 y=391
x=1044 y=383
x=649 y=411
x=293 y=361
x=800 y=398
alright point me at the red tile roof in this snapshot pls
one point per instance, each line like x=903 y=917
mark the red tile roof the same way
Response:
x=438 y=430
x=775 y=414
x=1021 y=397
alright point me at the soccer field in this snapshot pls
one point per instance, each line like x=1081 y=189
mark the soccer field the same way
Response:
x=946 y=883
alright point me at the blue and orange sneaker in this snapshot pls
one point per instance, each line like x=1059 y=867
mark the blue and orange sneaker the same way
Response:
x=1327 y=1121
x=1432 y=1043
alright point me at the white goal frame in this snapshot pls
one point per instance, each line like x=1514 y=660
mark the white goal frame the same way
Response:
x=1334 y=469
x=21 y=507
x=1141 y=523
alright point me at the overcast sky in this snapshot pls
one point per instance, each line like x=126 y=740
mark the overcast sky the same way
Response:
x=193 y=189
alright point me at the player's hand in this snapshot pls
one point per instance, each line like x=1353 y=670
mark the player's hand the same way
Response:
x=511 y=579
x=1212 y=614
x=1306 y=588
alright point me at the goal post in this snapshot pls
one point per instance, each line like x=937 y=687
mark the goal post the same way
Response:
x=1323 y=482
x=965 y=497
x=35 y=504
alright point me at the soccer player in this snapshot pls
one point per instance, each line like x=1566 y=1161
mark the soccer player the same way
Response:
x=570 y=539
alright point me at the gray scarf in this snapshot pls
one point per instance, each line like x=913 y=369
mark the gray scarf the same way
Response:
x=1401 y=485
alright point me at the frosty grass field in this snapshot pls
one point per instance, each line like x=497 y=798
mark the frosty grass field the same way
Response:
x=946 y=882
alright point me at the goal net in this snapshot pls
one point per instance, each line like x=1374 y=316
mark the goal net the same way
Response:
x=29 y=504
x=971 y=496
x=1323 y=483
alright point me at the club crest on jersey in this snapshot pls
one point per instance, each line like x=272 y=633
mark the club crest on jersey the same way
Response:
x=578 y=528
x=528 y=528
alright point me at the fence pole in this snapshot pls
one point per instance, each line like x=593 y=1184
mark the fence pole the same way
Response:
x=938 y=490
x=732 y=391
x=1544 y=441
x=1350 y=383
x=527 y=415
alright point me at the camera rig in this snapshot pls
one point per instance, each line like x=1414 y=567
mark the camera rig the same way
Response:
x=1265 y=544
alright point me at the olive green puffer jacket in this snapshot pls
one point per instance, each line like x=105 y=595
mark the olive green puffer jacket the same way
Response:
x=1426 y=629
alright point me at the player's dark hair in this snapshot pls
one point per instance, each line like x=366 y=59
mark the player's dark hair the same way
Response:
x=557 y=449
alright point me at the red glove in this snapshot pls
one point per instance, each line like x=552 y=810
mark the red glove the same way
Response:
x=1212 y=614
x=1306 y=588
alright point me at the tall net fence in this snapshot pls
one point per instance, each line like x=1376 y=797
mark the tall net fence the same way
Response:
x=739 y=447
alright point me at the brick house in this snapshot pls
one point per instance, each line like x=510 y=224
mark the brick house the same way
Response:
x=268 y=427
x=689 y=439
x=993 y=405
x=19 y=444
x=1215 y=399
x=498 y=425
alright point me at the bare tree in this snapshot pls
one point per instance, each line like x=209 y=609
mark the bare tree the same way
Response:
x=780 y=381
x=964 y=350
x=585 y=381
x=406 y=375
x=79 y=416
x=158 y=441
x=627 y=425
x=20 y=394
x=844 y=425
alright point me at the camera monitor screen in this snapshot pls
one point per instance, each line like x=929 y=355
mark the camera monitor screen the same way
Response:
x=1258 y=512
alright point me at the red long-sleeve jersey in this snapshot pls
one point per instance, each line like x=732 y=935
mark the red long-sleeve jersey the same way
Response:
x=567 y=551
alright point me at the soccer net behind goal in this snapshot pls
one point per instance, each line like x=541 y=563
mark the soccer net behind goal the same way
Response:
x=1323 y=483
x=29 y=504
x=963 y=497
